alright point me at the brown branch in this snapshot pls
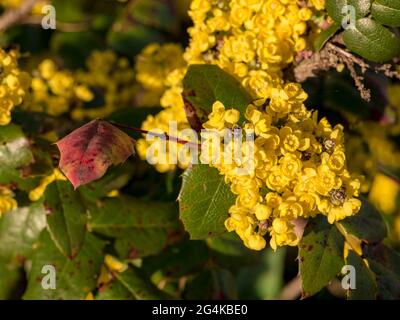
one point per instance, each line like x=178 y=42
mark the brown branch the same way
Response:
x=156 y=134
x=333 y=55
x=12 y=16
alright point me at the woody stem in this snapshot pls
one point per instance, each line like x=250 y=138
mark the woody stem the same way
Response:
x=156 y=134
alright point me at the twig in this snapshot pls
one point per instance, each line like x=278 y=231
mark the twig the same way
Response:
x=156 y=134
x=292 y=290
x=12 y=16
x=332 y=56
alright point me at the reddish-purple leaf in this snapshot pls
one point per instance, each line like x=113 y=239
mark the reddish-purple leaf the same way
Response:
x=87 y=152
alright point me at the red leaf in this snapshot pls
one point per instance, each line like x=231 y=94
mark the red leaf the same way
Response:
x=87 y=152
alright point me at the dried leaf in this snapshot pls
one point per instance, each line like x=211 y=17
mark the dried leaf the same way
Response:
x=87 y=152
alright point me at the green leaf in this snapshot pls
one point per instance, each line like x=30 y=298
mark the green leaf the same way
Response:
x=114 y=179
x=182 y=259
x=365 y=279
x=66 y=217
x=320 y=255
x=19 y=230
x=136 y=282
x=367 y=224
x=372 y=41
x=13 y=177
x=141 y=228
x=385 y=263
x=386 y=12
x=204 y=202
x=325 y=35
x=267 y=277
x=204 y=84
x=335 y=7
x=114 y=291
x=211 y=285
x=11 y=280
x=14 y=147
x=229 y=252
x=74 y=278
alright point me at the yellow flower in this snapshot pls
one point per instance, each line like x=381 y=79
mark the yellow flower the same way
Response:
x=216 y=119
x=37 y=193
x=262 y=211
x=13 y=84
x=256 y=242
x=290 y=166
x=231 y=116
x=326 y=180
x=384 y=193
x=114 y=265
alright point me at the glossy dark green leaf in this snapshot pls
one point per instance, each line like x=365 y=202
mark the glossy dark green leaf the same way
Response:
x=204 y=202
x=320 y=255
x=141 y=228
x=372 y=41
x=135 y=281
x=385 y=263
x=366 y=288
x=367 y=224
x=205 y=84
x=182 y=259
x=114 y=290
x=217 y=284
x=325 y=35
x=74 y=278
x=386 y=12
x=66 y=217
x=336 y=8
x=228 y=251
x=115 y=178
x=14 y=178
x=19 y=230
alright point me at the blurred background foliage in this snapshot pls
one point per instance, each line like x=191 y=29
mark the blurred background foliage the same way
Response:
x=105 y=36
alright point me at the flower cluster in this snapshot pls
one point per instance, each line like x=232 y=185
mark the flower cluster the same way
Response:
x=14 y=84
x=7 y=202
x=36 y=193
x=299 y=164
x=55 y=90
x=299 y=170
x=251 y=39
x=106 y=83
x=171 y=100
x=111 y=79
x=155 y=62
